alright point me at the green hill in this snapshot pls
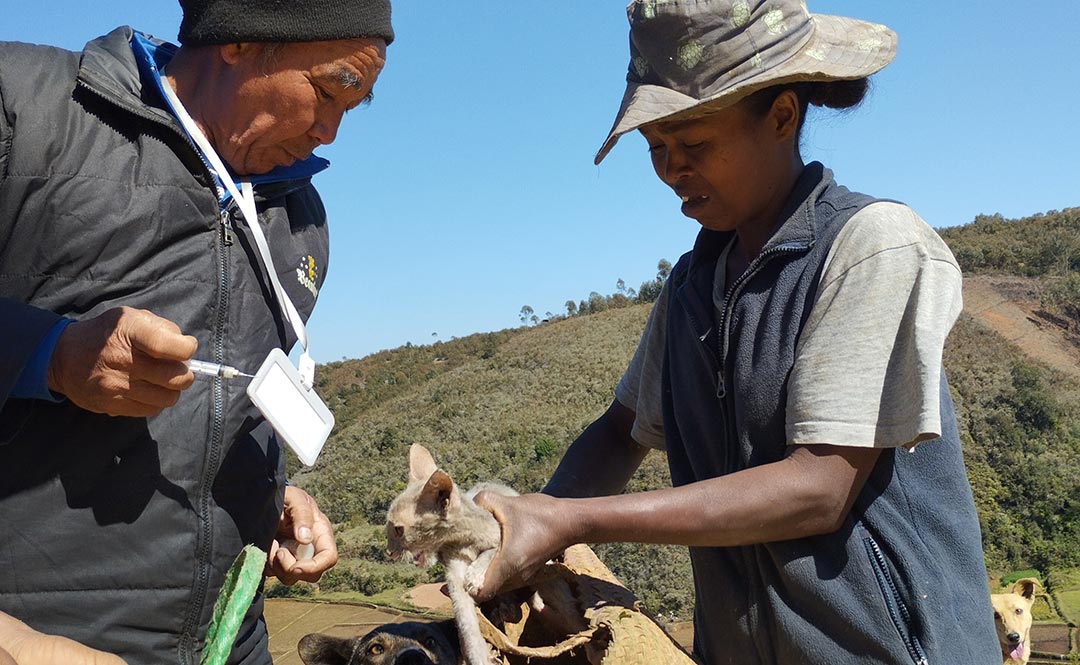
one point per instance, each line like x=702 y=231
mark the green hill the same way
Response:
x=504 y=405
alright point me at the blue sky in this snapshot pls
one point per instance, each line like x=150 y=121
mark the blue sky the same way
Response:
x=467 y=189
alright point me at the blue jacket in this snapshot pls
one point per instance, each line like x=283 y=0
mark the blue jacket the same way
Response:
x=903 y=580
x=119 y=531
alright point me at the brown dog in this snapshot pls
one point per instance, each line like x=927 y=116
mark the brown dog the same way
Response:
x=408 y=643
x=1012 y=616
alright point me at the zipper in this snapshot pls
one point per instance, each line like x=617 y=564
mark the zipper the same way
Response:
x=733 y=294
x=898 y=610
x=722 y=327
x=227 y=235
x=189 y=634
x=187 y=642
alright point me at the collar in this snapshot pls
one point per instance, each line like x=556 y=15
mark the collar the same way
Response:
x=152 y=55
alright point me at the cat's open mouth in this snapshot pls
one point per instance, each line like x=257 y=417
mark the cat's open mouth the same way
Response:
x=419 y=559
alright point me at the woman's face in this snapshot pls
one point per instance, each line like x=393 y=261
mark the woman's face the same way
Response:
x=729 y=168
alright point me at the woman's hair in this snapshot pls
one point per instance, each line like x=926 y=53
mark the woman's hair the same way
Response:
x=844 y=94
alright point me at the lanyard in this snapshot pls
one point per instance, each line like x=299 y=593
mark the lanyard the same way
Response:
x=245 y=199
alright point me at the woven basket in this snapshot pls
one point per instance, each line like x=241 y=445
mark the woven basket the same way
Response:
x=584 y=616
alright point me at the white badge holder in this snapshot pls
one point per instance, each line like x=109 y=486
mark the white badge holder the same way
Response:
x=296 y=413
x=282 y=394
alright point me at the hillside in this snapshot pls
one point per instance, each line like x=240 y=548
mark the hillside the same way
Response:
x=505 y=405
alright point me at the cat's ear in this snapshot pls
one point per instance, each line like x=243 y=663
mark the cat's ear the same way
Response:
x=438 y=494
x=421 y=463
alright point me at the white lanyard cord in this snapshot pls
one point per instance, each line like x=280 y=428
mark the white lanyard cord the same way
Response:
x=246 y=200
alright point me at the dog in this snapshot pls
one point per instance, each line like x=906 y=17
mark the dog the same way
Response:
x=408 y=643
x=1012 y=617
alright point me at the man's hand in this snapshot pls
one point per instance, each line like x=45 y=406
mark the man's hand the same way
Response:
x=302 y=522
x=125 y=362
x=25 y=646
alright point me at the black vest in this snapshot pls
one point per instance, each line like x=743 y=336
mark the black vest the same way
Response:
x=903 y=580
x=119 y=531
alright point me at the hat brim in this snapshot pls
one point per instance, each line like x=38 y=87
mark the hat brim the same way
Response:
x=840 y=48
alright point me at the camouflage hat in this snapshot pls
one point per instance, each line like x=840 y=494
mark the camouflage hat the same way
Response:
x=689 y=53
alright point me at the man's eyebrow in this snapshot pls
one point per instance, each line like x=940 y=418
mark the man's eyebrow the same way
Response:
x=346 y=78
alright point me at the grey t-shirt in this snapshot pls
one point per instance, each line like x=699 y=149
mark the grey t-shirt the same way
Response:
x=868 y=362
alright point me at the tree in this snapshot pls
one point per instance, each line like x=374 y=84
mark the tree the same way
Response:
x=571 y=308
x=596 y=303
x=525 y=313
x=650 y=290
x=663 y=270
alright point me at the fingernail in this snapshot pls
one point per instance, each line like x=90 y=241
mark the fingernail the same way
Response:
x=303 y=533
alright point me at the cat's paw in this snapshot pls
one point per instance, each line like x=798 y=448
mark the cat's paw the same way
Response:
x=474 y=581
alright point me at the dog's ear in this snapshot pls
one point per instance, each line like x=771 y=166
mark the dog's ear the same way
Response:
x=447 y=628
x=319 y=649
x=1027 y=587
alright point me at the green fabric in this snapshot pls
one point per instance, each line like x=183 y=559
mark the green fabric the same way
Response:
x=236 y=595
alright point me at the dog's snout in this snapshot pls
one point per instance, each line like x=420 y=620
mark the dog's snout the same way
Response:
x=1013 y=637
x=413 y=657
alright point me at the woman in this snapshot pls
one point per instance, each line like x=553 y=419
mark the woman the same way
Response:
x=791 y=368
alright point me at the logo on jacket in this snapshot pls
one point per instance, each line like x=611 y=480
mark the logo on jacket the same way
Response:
x=307 y=273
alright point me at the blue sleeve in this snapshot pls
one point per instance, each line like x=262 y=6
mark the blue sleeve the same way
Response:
x=33 y=381
x=22 y=329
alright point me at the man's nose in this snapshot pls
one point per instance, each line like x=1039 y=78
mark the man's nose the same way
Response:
x=325 y=128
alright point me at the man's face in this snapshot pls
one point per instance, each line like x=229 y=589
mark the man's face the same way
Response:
x=282 y=105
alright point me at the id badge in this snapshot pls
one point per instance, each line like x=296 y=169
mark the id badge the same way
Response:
x=296 y=414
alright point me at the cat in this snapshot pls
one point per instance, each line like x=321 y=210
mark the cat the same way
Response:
x=432 y=520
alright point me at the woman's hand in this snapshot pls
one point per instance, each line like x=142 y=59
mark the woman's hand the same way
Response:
x=23 y=645
x=535 y=529
x=301 y=522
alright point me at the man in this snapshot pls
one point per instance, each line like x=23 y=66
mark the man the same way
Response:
x=129 y=486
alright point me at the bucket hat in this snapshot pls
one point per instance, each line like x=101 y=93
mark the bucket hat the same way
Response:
x=686 y=54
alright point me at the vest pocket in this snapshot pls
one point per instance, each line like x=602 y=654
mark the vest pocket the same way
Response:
x=898 y=610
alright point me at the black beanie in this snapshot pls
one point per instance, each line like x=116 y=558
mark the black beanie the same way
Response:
x=227 y=21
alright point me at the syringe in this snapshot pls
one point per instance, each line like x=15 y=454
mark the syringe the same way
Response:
x=204 y=368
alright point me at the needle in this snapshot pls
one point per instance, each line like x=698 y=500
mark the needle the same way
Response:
x=214 y=369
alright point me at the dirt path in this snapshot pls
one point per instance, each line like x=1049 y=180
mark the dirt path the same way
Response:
x=1007 y=305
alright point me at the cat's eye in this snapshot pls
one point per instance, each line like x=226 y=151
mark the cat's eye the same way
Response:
x=376 y=649
x=1019 y=611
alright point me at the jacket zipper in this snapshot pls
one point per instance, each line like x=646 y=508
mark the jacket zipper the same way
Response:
x=188 y=636
x=189 y=632
x=723 y=331
x=898 y=610
x=729 y=305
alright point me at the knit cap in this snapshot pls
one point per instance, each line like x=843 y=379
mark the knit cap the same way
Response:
x=227 y=21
